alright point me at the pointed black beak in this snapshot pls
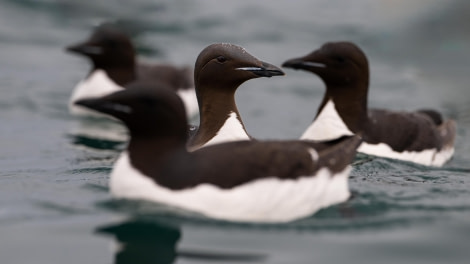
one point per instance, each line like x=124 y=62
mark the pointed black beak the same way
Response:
x=266 y=70
x=104 y=106
x=85 y=49
x=93 y=104
x=300 y=64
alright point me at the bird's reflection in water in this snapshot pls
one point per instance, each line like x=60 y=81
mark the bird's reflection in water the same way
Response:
x=98 y=134
x=96 y=143
x=142 y=242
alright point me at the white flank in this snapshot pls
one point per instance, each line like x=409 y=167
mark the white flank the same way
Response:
x=264 y=200
x=190 y=101
x=327 y=126
x=232 y=130
x=428 y=157
x=98 y=84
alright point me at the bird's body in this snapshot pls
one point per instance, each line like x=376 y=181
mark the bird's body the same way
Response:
x=255 y=181
x=219 y=70
x=421 y=137
x=114 y=64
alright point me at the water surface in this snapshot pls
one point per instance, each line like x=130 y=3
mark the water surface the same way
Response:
x=54 y=200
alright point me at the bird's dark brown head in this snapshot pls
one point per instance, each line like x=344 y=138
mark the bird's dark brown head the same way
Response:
x=108 y=46
x=336 y=63
x=147 y=109
x=227 y=66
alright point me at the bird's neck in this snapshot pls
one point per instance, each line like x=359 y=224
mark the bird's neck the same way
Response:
x=149 y=155
x=121 y=74
x=215 y=107
x=350 y=104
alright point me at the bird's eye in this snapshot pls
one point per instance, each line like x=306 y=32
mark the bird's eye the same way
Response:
x=339 y=59
x=112 y=44
x=145 y=100
x=221 y=59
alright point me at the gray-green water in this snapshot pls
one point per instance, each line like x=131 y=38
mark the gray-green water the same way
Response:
x=54 y=202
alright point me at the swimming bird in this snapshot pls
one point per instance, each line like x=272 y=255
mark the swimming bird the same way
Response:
x=248 y=181
x=114 y=64
x=422 y=136
x=219 y=70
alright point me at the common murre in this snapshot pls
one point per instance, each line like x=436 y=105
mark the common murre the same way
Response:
x=255 y=181
x=219 y=70
x=421 y=137
x=114 y=64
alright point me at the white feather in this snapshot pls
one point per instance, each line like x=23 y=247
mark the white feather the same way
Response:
x=265 y=200
x=428 y=157
x=190 y=101
x=231 y=130
x=98 y=84
x=327 y=126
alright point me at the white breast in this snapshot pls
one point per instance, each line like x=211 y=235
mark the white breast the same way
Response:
x=232 y=130
x=428 y=157
x=98 y=84
x=264 y=200
x=327 y=126
x=190 y=101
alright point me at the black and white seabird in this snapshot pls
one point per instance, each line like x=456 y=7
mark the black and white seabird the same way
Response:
x=219 y=70
x=421 y=137
x=254 y=181
x=114 y=64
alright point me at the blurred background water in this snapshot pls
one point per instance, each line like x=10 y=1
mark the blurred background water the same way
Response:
x=54 y=202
